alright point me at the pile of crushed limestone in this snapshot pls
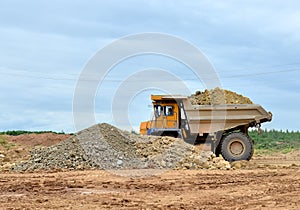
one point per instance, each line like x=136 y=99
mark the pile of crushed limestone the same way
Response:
x=218 y=96
x=104 y=146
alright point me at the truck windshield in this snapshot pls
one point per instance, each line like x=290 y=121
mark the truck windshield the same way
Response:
x=163 y=110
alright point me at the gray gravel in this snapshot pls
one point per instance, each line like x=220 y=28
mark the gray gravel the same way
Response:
x=104 y=146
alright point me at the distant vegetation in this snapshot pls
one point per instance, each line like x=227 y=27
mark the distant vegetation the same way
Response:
x=271 y=141
x=19 y=132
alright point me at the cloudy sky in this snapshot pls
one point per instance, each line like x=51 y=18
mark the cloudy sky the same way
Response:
x=254 y=47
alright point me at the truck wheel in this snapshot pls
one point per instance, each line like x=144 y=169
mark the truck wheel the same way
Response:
x=237 y=146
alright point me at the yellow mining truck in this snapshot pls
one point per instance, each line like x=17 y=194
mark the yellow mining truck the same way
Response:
x=224 y=128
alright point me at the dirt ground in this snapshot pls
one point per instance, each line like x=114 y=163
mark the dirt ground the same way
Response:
x=183 y=189
x=32 y=139
x=272 y=182
x=17 y=148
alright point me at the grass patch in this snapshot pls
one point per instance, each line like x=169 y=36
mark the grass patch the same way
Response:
x=5 y=144
x=273 y=141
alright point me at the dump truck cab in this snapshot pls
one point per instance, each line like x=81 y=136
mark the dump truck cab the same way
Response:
x=166 y=120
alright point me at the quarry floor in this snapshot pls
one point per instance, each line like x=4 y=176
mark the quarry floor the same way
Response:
x=273 y=182
x=270 y=188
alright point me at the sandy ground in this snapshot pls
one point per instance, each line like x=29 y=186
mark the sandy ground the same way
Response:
x=188 y=189
x=272 y=182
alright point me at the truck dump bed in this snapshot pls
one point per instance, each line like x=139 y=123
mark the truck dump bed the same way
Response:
x=209 y=119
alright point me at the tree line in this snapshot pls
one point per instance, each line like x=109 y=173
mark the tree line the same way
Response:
x=276 y=140
x=19 y=132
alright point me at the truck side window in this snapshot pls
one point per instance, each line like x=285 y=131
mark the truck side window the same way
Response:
x=169 y=111
x=157 y=110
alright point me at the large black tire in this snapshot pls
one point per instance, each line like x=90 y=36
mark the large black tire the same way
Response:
x=237 y=146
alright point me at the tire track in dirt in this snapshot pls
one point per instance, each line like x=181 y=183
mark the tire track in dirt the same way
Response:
x=186 y=189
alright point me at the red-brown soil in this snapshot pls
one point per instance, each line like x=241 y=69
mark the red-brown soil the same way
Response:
x=43 y=139
x=17 y=148
x=183 y=189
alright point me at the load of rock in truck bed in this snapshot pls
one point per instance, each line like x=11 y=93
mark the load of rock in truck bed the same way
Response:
x=104 y=146
x=218 y=96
